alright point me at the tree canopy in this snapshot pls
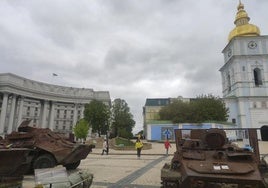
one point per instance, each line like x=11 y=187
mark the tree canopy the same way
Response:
x=81 y=129
x=202 y=109
x=122 y=120
x=97 y=114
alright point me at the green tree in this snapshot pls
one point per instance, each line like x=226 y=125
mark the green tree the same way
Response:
x=81 y=129
x=122 y=120
x=97 y=114
x=209 y=108
x=178 y=111
x=203 y=108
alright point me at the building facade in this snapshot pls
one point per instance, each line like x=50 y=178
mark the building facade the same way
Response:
x=153 y=106
x=49 y=106
x=245 y=73
x=151 y=111
x=160 y=131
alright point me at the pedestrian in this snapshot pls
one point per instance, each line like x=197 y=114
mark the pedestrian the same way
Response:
x=138 y=146
x=167 y=145
x=104 y=147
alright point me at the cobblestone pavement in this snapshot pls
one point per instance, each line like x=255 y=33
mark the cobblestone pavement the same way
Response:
x=122 y=169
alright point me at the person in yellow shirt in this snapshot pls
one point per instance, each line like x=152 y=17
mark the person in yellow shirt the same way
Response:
x=138 y=146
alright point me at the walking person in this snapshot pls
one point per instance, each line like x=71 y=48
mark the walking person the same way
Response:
x=104 y=147
x=138 y=146
x=167 y=146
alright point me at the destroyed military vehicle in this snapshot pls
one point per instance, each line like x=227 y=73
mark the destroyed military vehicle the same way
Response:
x=41 y=148
x=208 y=159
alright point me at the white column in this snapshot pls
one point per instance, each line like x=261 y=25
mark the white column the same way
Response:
x=20 y=111
x=51 y=116
x=242 y=114
x=44 y=105
x=12 y=112
x=82 y=111
x=75 y=115
x=3 y=113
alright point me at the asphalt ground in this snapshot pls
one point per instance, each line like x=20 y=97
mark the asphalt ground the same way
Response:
x=122 y=168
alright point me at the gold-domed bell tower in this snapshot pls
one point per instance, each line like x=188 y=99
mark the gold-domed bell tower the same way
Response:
x=243 y=28
x=245 y=73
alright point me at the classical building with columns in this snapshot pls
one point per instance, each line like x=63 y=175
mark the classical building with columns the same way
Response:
x=49 y=106
x=245 y=73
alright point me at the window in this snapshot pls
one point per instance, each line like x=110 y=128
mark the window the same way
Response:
x=263 y=104
x=233 y=120
x=244 y=68
x=254 y=105
x=257 y=77
x=229 y=82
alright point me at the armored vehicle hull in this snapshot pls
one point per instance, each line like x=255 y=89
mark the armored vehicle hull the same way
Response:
x=207 y=159
x=43 y=148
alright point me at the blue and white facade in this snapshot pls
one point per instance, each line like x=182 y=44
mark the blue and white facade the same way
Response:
x=160 y=132
x=245 y=73
x=245 y=80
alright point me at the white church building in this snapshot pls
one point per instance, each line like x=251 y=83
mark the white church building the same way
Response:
x=245 y=73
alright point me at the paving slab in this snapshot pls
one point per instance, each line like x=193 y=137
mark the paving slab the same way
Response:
x=122 y=168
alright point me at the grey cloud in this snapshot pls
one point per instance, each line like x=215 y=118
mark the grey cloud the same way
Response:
x=134 y=49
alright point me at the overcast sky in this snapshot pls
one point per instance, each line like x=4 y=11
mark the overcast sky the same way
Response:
x=135 y=49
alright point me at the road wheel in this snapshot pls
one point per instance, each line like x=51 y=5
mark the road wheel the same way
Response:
x=44 y=161
x=72 y=166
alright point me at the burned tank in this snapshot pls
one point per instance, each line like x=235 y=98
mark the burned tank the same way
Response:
x=14 y=163
x=208 y=159
x=44 y=148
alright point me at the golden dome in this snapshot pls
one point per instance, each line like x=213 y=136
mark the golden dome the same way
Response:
x=243 y=28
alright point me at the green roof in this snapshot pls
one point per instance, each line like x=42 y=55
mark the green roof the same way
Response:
x=159 y=122
x=157 y=102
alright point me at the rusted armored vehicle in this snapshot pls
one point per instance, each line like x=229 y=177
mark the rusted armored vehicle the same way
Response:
x=14 y=163
x=208 y=159
x=43 y=148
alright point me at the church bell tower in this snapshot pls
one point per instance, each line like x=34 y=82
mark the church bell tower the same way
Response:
x=245 y=73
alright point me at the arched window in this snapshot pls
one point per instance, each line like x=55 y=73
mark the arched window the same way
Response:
x=257 y=77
